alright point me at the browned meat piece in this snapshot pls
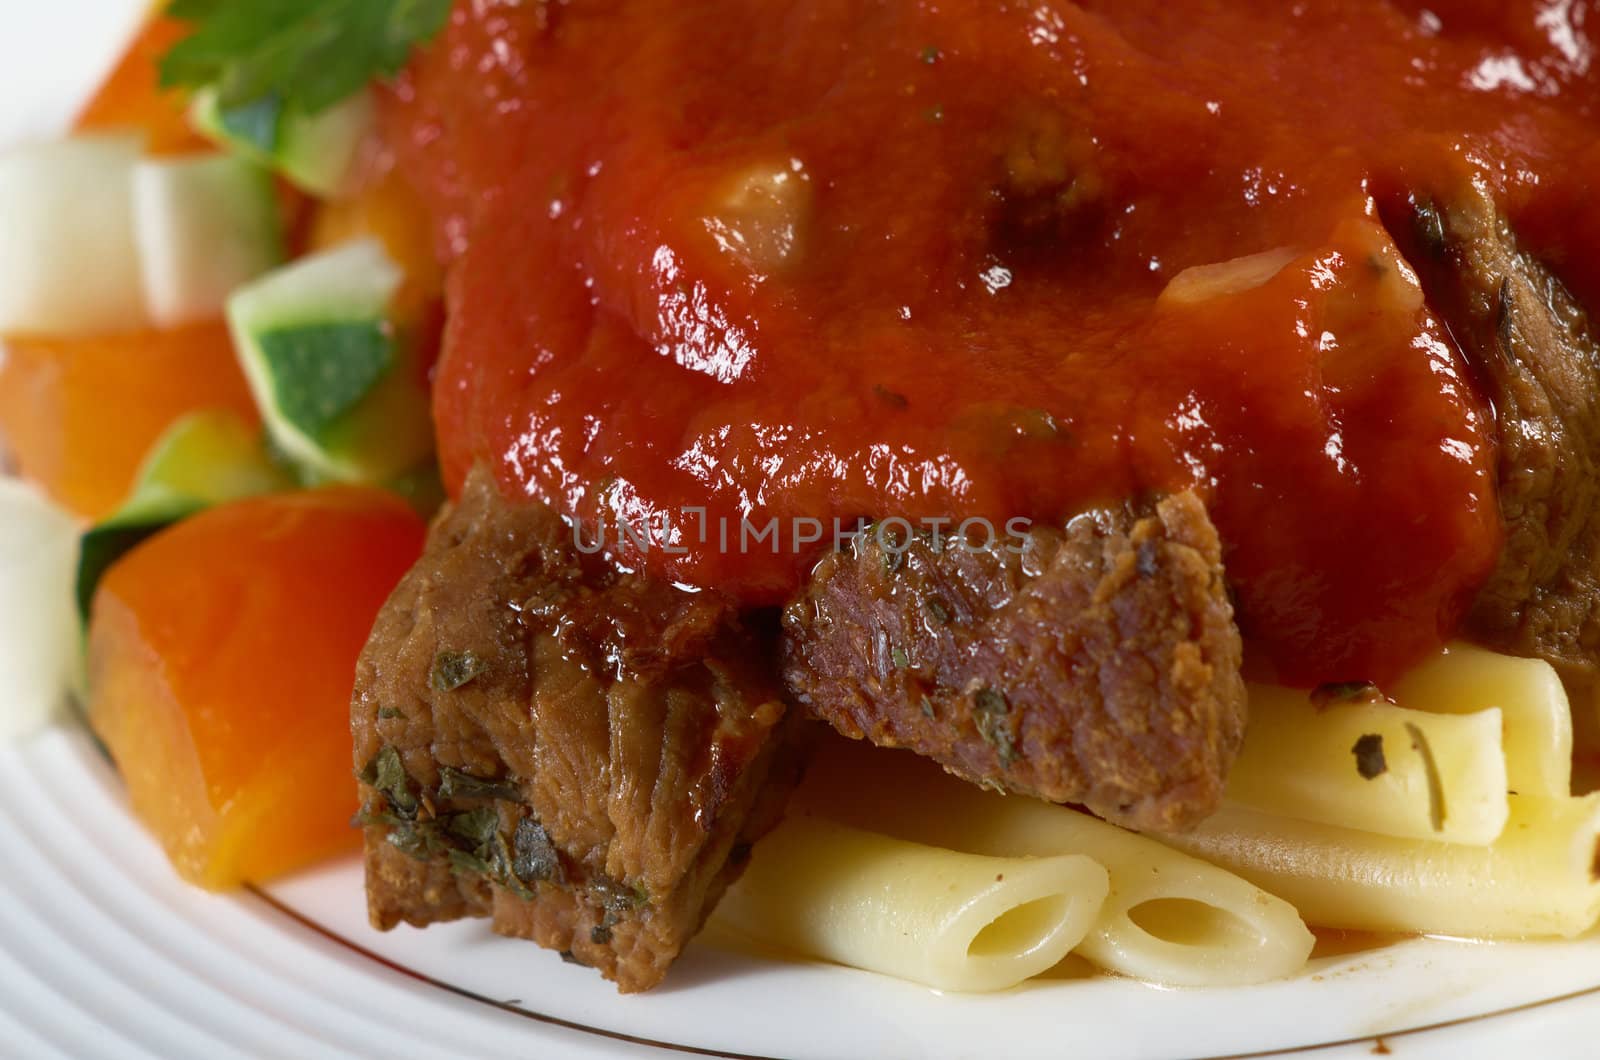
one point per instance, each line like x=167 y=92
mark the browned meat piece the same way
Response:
x=1538 y=359
x=1100 y=666
x=584 y=755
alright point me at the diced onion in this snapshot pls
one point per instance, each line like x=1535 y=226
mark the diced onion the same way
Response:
x=68 y=264
x=39 y=642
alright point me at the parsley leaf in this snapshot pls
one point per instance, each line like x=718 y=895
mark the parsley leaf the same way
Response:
x=305 y=55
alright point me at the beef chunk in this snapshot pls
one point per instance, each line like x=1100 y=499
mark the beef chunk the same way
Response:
x=1098 y=666
x=570 y=750
x=1536 y=354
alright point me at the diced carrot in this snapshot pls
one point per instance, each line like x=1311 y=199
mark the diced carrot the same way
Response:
x=222 y=657
x=132 y=97
x=78 y=415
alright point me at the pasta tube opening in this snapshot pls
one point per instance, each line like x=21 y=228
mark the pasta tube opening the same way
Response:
x=1241 y=934
x=1191 y=922
x=1021 y=929
x=952 y=921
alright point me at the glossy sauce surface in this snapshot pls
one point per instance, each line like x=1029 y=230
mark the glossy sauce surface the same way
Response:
x=832 y=259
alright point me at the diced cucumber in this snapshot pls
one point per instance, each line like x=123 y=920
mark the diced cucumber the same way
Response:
x=38 y=635
x=203 y=227
x=335 y=382
x=316 y=153
x=68 y=261
x=205 y=459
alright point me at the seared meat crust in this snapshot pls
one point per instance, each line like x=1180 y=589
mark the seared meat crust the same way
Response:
x=582 y=754
x=1537 y=356
x=1099 y=666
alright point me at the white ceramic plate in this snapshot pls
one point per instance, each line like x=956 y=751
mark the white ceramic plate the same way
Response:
x=103 y=953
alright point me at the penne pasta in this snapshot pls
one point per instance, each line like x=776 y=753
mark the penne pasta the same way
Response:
x=1167 y=919
x=1538 y=879
x=1299 y=761
x=1465 y=679
x=949 y=920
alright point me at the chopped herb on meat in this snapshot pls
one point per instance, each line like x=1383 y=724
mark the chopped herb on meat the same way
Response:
x=535 y=856
x=386 y=774
x=616 y=896
x=477 y=827
x=991 y=712
x=1151 y=664
x=469 y=862
x=455 y=669
x=456 y=784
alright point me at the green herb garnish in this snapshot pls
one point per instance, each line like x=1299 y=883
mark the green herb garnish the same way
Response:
x=455 y=784
x=416 y=839
x=505 y=869
x=618 y=897
x=534 y=856
x=991 y=712
x=386 y=774
x=470 y=862
x=455 y=669
x=477 y=827
x=306 y=55
x=471 y=841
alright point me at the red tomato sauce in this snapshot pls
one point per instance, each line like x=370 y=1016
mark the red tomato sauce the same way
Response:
x=835 y=259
